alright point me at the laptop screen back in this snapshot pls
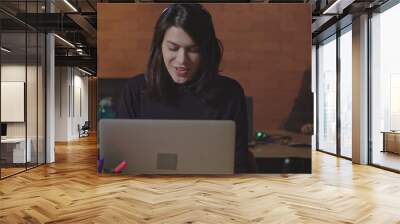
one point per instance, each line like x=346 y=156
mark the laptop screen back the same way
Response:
x=168 y=146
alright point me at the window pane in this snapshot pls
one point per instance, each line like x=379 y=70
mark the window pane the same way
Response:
x=327 y=96
x=386 y=88
x=346 y=94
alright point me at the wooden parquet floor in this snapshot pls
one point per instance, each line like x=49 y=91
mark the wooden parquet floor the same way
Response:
x=70 y=191
x=10 y=171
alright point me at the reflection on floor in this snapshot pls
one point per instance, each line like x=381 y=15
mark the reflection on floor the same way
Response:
x=346 y=152
x=10 y=169
x=387 y=159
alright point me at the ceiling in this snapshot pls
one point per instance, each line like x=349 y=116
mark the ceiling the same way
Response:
x=76 y=22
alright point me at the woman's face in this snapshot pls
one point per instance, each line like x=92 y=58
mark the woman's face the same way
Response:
x=181 y=55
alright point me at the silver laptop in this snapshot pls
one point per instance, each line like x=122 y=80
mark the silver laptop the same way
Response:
x=168 y=146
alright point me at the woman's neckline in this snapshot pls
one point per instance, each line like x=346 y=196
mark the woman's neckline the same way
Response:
x=190 y=83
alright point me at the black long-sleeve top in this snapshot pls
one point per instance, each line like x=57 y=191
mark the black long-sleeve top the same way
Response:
x=229 y=104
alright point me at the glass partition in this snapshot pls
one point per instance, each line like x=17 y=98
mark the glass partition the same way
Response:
x=14 y=153
x=22 y=90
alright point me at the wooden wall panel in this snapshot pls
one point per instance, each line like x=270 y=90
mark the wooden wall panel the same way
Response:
x=267 y=49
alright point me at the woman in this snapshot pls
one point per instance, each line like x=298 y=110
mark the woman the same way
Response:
x=182 y=80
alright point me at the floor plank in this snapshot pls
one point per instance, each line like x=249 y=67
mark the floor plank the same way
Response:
x=70 y=191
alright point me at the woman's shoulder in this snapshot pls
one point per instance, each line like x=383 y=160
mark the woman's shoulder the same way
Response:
x=135 y=83
x=229 y=84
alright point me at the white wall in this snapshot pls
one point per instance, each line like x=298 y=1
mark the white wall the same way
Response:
x=13 y=72
x=16 y=73
x=81 y=103
x=71 y=94
x=62 y=81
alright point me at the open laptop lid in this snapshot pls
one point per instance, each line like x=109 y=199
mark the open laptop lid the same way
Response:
x=168 y=146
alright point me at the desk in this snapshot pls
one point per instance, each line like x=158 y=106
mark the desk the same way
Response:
x=277 y=158
x=15 y=148
x=391 y=141
x=280 y=151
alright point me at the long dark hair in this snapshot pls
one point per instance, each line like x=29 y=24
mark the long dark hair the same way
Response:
x=196 y=21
